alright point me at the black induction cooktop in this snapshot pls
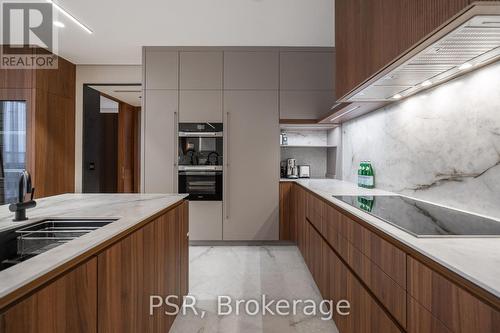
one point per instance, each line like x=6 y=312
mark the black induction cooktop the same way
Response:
x=422 y=219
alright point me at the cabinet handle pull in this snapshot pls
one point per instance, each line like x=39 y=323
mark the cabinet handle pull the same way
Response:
x=175 y=139
x=176 y=153
x=226 y=172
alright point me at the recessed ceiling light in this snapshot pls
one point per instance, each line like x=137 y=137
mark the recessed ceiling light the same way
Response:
x=71 y=17
x=426 y=83
x=465 y=66
x=59 y=24
x=397 y=96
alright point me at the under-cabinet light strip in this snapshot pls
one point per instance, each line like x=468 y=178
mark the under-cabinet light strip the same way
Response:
x=344 y=113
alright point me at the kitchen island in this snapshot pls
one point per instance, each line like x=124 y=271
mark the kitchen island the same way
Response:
x=399 y=282
x=102 y=280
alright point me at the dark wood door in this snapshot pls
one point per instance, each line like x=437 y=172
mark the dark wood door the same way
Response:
x=100 y=146
x=128 y=152
x=69 y=304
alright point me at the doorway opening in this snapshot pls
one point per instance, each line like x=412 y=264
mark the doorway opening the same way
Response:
x=111 y=138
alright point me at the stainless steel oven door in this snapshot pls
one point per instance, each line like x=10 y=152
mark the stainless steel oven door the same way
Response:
x=201 y=183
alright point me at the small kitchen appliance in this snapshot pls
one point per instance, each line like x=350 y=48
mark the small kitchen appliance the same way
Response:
x=292 y=170
x=304 y=171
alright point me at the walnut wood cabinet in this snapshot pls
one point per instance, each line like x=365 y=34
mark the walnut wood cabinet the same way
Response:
x=455 y=308
x=109 y=291
x=336 y=281
x=287 y=218
x=50 y=115
x=151 y=261
x=371 y=34
x=69 y=304
x=388 y=285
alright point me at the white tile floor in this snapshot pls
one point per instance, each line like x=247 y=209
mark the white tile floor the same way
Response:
x=247 y=272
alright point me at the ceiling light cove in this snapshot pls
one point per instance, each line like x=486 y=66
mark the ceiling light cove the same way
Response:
x=71 y=17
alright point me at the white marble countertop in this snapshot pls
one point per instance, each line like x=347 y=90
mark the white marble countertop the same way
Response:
x=129 y=209
x=475 y=259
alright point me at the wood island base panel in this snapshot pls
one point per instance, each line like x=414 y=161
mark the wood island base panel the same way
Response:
x=389 y=287
x=110 y=291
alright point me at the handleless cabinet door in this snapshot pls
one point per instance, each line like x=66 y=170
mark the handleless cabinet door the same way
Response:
x=306 y=70
x=253 y=70
x=161 y=69
x=201 y=70
x=200 y=106
x=251 y=193
x=160 y=138
x=305 y=104
x=67 y=304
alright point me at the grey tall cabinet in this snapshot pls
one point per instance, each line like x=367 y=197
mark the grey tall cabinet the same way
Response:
x=159 y=121
x=251 y=106
x=248 y=89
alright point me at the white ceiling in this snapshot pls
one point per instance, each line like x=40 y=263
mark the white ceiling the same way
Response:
x=122 y=27
x=129 y=94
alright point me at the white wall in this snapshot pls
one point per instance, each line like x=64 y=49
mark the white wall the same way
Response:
x=442 y=145
x=94 y=74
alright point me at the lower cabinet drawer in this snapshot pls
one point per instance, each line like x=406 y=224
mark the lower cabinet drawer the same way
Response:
x=420 y=320
x=453 y=306
x=388 y=257
x=366 y=316
x=315 y=211
x=388 y=292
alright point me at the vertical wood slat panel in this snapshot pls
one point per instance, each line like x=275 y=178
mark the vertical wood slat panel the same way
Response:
x=371 y=34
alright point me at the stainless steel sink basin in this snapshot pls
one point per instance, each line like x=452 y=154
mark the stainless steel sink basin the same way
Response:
x=26 y=242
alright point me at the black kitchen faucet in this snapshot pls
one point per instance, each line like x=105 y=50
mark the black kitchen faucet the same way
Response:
x=20 y=207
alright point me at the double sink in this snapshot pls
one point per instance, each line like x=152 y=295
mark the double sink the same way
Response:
x=26 y=242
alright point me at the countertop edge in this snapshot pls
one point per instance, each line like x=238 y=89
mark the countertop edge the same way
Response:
x=11 y=295
x=393 y=234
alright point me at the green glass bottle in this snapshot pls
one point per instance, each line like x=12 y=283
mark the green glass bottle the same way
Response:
x=364 y=174
x=370 y=175
x=360 y=169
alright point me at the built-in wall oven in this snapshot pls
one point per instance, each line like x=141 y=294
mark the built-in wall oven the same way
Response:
x=200 y=161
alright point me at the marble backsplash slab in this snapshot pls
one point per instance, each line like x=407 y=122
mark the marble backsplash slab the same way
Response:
x=442 y=145
x=306 y=137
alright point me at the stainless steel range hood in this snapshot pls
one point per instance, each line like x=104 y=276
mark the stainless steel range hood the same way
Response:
x=469 y=41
